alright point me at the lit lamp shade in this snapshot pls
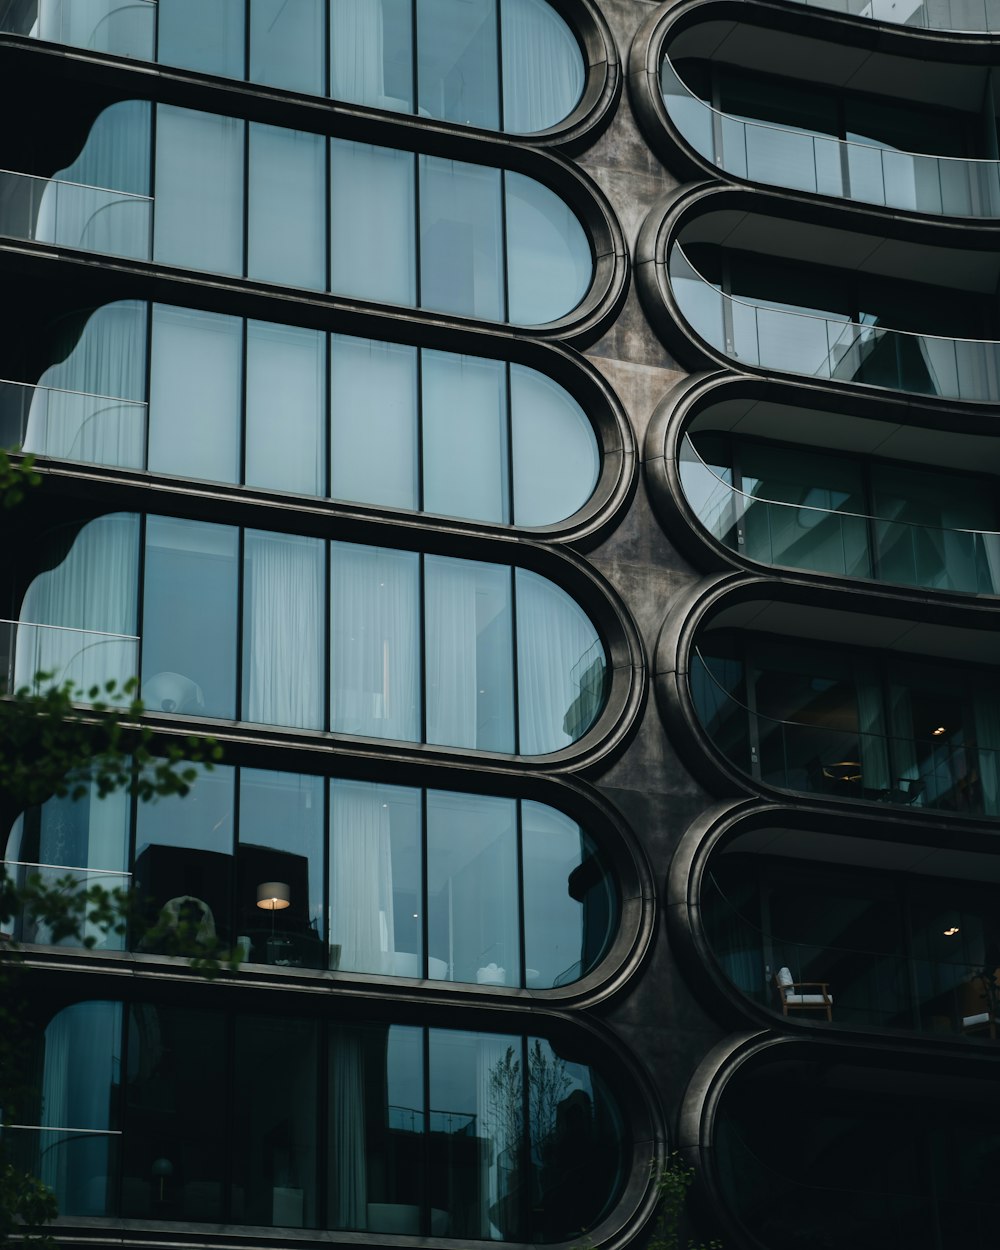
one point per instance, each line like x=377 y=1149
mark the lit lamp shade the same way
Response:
x=273 y=895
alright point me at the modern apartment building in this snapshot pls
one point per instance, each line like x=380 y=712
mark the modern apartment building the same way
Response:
x=551 y=446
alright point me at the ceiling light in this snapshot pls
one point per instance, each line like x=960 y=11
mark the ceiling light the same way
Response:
x=952 y=931
x=936 y=733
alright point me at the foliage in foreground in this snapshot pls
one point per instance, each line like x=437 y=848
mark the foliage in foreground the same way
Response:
x=672 y=1186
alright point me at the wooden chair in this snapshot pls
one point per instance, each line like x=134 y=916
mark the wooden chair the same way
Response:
x=803 y=995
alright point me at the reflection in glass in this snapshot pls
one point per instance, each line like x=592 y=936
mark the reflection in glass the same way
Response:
x=286 y=226
x=472 y=889
x=184 y=864
x=461 y=249
x=465 y=436
x=372 y=208
x=189 y=622
x=282 y=833
x=468 y=656
x=198 y=189
x=283 y=629
x=373 y=441
x=569 y=903
x=375 y=642
x=561 y=666
x=275 y=1155
x=175 y=1118
x=286 y=44
x=543 y=69
x=457 y=65
x=555 y=456
x=195 y=385
x=121 y=27
x=375 y=879
x=371 y=54
x=206 y=37
x=285 y=408
x=549 y=262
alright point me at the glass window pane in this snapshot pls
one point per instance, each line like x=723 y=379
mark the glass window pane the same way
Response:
x=189 y=618
x=175 y=1116
x=83 y=841
x=472 y=903
x=285 y=407
x=81 y=1074
x=374 y=1179
x=206 y=37
x=560 y=666
x=375 y=643
x=283 y=630
x=569 y=899
x=195 y=389
x=543 y=72
x=184 y=864
x=457 y=69
x=101 y=25
x=90 y=592
x=556 y=457
x=89 y=406
x=276 y=1122
x=371 y=53
x=549 y=263
x=470 y=695
x=461 y=251
x=199 y=190
x=477 y=1127
x=465 y=436
x=286 y=44
x=373 y=441
x=372 y=210
x=282 y=837
x=375 y=877
x=287 y=217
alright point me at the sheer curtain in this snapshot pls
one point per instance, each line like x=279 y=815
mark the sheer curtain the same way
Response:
x=986 y=712
x=90 y=595
x=375 y=639
x=561 y=665
x=450 y=647
x=543 y=72
x=82 y=1065
x=356 y=72
x=283 y=630
x=88 y=406
x=82 y=205
x=348 y=1145
x=362 y=922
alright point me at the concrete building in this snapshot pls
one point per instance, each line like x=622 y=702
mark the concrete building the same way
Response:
x=550 y=446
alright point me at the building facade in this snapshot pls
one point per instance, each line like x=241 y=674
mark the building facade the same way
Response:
x=550 y=446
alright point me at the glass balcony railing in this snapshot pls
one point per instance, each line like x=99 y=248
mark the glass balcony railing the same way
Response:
x=76 y=890
x=943 y=773
x=121 y=27
x=778 y=156
x=78 y=1164
x=866 y=988
x=71 y=214
x=824 y=346
x=84 y=658
x=73 y=425
x=971 y=16
x=845 y=544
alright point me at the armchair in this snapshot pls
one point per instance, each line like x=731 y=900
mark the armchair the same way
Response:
x=802 y=995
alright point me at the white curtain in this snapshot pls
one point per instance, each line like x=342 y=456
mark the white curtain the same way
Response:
x=362 y=922
x=543 y=71
x=88 y=407
x=903 y=748
x=372 y=248
x=561 y=665
x=92 y=203
x=285 y=409
x=348 y=1137
x=356 y=52
x=78 y=620
x=124 y=27
x=450 y=643
x=283 y=629
x=375 y=666
x=986 y=711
